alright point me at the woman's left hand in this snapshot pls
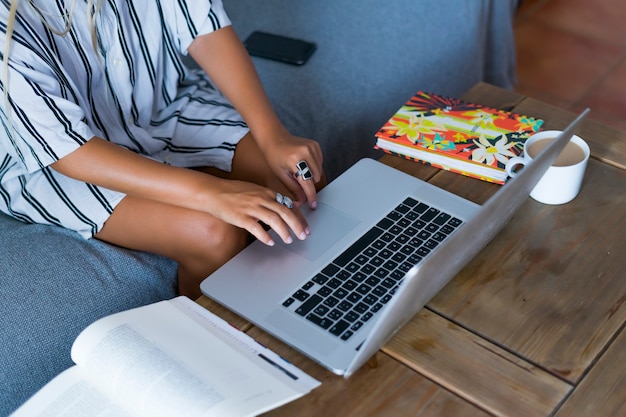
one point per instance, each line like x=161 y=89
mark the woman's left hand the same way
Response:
x=297 y=162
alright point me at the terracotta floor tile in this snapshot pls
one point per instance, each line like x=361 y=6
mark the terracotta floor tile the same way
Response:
x=598 y=19
x=560 y=63
x=610 y=95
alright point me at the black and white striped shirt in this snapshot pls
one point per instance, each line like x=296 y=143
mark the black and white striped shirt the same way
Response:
x=62 y=92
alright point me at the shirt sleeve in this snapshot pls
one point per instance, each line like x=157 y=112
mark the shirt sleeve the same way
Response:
x=188 y=19
x=43 y=123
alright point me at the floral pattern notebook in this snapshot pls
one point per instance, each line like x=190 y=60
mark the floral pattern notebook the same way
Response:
x=455 y=135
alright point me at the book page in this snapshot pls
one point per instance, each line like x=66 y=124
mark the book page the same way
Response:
x=69 y=394
x=245 y=344
x=156 y=361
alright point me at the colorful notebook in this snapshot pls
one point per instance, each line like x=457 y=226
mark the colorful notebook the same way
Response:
x=455 y=135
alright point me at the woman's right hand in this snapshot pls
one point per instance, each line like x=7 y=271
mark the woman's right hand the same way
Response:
x=249 y=206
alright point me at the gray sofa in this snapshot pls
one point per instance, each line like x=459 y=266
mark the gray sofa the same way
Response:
x=371 y=56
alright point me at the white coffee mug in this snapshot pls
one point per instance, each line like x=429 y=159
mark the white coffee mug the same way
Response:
x=562 y=181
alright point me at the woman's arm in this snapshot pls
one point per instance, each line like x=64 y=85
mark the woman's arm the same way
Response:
x=224 y=58
x=242 y=204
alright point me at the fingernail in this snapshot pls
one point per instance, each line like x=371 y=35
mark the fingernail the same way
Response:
x=314 y=204
x=303 y=236
x=307 y=230
x=270 y=243
x=289 y=239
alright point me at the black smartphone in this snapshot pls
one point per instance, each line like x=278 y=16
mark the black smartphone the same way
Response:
x=279 y=48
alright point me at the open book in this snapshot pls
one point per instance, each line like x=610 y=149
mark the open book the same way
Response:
x=455 y=135
x=171 y=358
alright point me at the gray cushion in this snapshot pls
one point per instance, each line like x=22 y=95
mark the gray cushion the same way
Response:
x=53 y=283
x=371 y=57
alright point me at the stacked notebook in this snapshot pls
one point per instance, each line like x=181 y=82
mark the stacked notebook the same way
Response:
x=455 y=135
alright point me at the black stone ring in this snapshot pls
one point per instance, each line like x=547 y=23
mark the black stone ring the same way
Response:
x=303 y=170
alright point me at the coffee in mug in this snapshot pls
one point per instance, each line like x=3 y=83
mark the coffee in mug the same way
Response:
x=572 y=154
x=562 y=181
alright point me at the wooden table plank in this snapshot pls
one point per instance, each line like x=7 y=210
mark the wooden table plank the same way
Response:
x=221 y=311
x=383 y=387
x=550 y=286
x=476 y=369
x=491 y=96
x=603 y=391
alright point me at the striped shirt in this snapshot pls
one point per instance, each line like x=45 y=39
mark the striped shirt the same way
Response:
x=134 y=92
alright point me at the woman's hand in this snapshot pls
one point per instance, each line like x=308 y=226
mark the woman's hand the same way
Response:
x=285 y=157
x=249 y=206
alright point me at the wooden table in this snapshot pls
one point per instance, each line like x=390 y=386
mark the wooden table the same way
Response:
x=534 y=326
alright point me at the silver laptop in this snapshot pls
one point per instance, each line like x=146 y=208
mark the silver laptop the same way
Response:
x=383 y=243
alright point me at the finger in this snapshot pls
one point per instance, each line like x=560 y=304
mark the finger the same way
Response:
x=284 y=218
x=294 y=221
x=306 y=177
x=310 y=192
x=258 y=231
x=294 y=187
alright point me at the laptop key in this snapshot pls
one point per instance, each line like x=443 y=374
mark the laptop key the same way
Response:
x=356 y=326
x=454 y=222
x=361 y=308
x=325 y=291
x=334 y=283
x=431 y=243
x=421 y=208
x=335 y=314
x=321 y=310
x=442 y=219
x=354 y=297
x=331 y=301
x=300 y=295
x=403 y=209
x=330 y=270
x=385 y=223
x=358 y=246
x=446 y=229
x=323 y=322
x=339 y=327
x=320 y=279
x=309 y=304
x=429 y=214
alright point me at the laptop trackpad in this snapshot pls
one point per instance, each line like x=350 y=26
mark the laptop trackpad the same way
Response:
x=327 y=224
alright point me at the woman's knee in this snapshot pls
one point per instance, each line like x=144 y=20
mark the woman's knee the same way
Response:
x=214 y=242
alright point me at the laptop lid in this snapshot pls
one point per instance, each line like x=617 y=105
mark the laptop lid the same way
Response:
x=427 y=278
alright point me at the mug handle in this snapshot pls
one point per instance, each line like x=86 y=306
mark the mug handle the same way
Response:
x=512 y=163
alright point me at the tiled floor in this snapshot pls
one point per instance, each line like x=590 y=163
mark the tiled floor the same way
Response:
x=572 y=53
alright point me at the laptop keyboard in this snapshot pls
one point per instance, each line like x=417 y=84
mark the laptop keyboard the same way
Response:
x=350 y=290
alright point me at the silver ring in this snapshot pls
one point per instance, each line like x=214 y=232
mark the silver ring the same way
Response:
x=284 y=200
x=303 y=170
